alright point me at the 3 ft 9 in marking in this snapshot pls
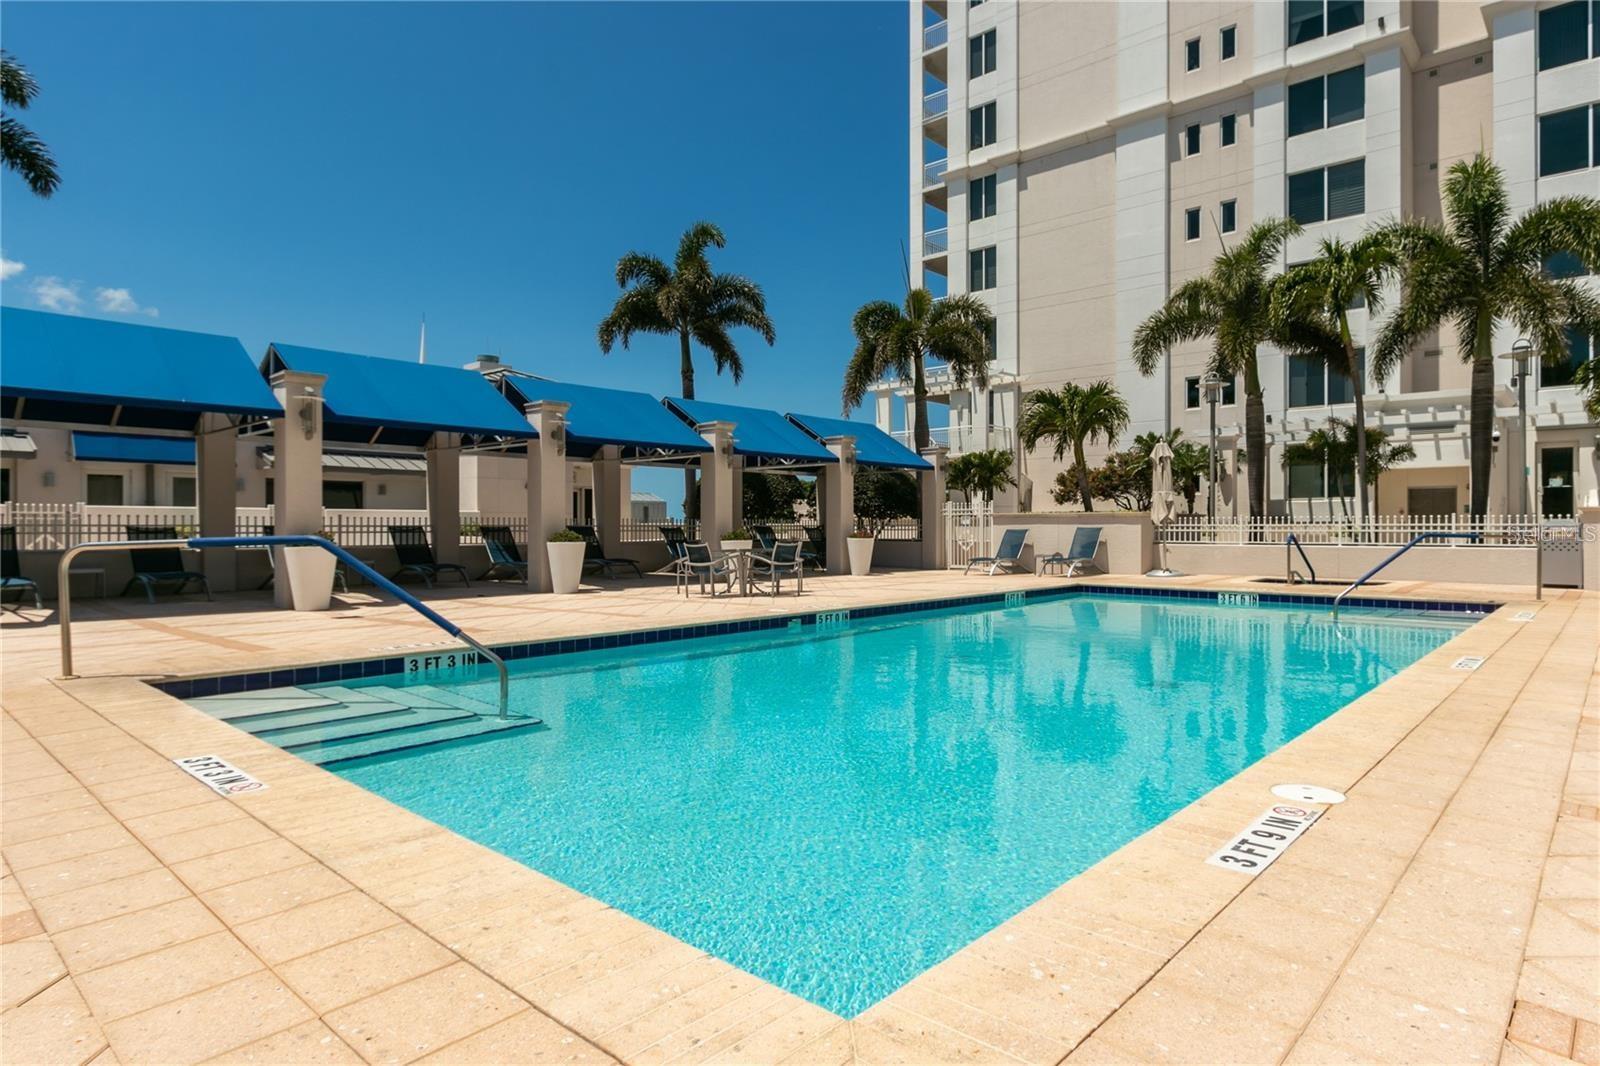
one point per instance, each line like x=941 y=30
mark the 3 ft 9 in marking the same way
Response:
x=1263 y=840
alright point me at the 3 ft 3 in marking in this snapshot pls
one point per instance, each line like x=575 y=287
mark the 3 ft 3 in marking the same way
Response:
x=444 y=664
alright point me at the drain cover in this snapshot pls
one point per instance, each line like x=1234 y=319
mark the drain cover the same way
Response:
x=1307 y=793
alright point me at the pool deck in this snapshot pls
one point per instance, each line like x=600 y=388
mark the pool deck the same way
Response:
x=1448 y=911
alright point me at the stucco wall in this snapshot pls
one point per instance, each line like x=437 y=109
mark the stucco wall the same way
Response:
x=1124 y=537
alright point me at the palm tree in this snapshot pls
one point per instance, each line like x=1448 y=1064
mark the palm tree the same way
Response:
x=20 y=147
x=1480 y=268
x=689 y=300
x=1323 y=291
x=981 y=473
x=1334 y=448
x=1072 y=415
x=1232 y=304
x=954 y=330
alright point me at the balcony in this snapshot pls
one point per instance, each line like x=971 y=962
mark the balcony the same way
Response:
x=936 y=242
x=935 y=105
x=961 y=440
x=933 y=173
x=936 y=35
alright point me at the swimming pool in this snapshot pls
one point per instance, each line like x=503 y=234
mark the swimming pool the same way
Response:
x=837 y=811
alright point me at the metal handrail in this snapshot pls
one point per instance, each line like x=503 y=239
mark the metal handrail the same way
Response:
x=64 y=587
x=1418 y=539
x=1292 y=541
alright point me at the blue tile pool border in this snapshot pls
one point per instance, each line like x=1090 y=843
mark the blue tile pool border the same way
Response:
x=327 y=673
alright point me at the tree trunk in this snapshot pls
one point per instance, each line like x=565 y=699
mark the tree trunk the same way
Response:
x=1083 y=477
x=1255 y=439
x=919 y=393
x=691 y=497
x=1482 y=418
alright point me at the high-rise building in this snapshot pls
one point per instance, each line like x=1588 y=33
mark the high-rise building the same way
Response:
x=1074 y=161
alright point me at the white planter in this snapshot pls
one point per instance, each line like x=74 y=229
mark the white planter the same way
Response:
x=860 y=555
x=738 y=545
x=566 y=565
x=309 y=572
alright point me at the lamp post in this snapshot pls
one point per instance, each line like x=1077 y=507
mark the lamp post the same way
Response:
x=1213 y=384
x=1521 y=354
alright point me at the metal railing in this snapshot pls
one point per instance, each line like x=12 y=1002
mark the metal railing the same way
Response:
x=1289 y=574
x=1490 y=530
x=933 y=173
x=1412 y=543
x=936 y=35
x=936 y=242
x=197 y=543
x=935 y=105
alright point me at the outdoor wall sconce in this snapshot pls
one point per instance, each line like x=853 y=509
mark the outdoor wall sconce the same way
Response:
x=48 y=479
x=725 y=449
x=558 y=437
x=308 y=413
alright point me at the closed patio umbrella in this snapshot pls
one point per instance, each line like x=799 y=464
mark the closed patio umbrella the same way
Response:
x=1163 y=501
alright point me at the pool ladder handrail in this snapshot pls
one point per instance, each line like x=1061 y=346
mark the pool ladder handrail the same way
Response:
x=1289 y=575
x=1412 y=543
x=64 y=590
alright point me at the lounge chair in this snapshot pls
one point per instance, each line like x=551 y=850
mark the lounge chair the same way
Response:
x=154 y=567
x=11 y=579
x=1008 y=556
x=503 y=552
x=1085 y=543
x=783 y=558
x=677 y=550
x=594 y=555
x=817 y=554
x=766 y=537
x=416 y=556
x=698 y=562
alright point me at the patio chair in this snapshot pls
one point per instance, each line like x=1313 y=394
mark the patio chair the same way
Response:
x=784 y=558
x=594 y=555
x=272 y=563
x=817 y=554
x=1008 y=556
x=677 y=550
x=11 y=579
x=1081 y=553
x=416 y=556
x=154 y=567
x=698 y=562
x=503 y=552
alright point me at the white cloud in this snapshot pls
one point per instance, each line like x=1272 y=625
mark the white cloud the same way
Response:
x=53 y=294
x=121 y=302
x=10 y=268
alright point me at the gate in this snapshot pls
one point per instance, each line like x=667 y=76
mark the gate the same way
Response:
x=1561 y=552
x=969 y=528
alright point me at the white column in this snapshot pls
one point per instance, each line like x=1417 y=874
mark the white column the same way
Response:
x=297 y=463
x=216 y=496
x=931 y=484
x=611 y=504
x=444 y=496
x=837 y=491
x=547 y=486
x=737 y=474
x=716 y=480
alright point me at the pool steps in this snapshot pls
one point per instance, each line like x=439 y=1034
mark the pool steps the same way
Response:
x=336 y=723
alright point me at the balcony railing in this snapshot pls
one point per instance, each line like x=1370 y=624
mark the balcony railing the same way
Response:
x=934 y=105
x=936 y=242
x=936 y=36
x=933 y=173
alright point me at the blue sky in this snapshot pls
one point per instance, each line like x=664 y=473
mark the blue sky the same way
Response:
x=325 y=174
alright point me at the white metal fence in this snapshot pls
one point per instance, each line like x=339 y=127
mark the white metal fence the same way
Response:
x=970 y=529
x=1497 y=530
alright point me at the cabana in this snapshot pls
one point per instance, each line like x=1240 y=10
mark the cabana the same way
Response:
x=361 y=399
x=128 y=380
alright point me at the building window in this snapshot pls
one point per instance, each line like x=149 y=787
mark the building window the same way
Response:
x=980 y=126
x=5 y=486
x=1328 y=192
x=1193 y=398
x=980 y=198
x=342 y=494
x=183 y=492
x=981 y=55
x=1313 y=383
x=104 y=490
x=1230 y=216
x=1579 y=350
x=1230 y=129
x=1191 y=140
x=1565 y=140
x=1569 y=33
x=1327 y=101
x=1191 y=224
x=1310 y=19
x=981 y=269
x=1229 y=45
x=1564 y=265
x=1191 y=54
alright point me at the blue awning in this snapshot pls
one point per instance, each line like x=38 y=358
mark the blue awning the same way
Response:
x=66 y=368
x=764 y=438
x=874 y=447
x=597 y=417
x=132 y=448
x=390 y=401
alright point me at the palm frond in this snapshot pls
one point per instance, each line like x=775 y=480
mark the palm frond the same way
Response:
x=27 y=155
x=17 y=87
x=693 y=244
x=711 y=336
x=636 y=311
x=1191 y=312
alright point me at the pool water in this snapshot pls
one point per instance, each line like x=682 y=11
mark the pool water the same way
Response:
x=838 y=811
